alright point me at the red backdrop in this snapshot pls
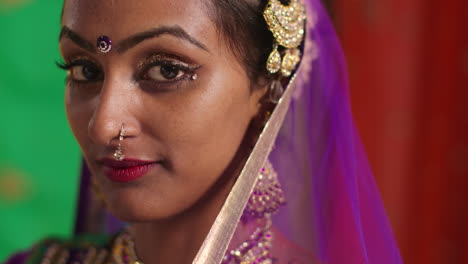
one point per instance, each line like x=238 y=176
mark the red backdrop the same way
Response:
x=408 y=64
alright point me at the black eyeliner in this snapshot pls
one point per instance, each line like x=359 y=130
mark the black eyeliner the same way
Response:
x=165 y=59
x=84 y=62
x=62 y=65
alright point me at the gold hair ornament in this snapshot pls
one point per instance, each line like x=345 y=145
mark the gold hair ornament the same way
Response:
x=287 y=23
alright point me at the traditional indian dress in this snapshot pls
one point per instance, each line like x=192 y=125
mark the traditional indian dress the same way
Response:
x=333 y=210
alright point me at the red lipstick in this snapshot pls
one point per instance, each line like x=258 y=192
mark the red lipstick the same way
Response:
x=126 y=170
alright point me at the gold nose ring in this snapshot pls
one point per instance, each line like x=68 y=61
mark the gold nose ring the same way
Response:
x=118 y=154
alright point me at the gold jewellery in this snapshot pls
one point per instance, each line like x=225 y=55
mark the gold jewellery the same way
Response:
x=287 y=23
x=118 y=155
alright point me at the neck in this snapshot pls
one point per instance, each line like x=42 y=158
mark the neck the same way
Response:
x=178 y=243
x=175 y=240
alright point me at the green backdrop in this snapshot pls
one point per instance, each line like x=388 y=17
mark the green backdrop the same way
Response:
x=38 y=155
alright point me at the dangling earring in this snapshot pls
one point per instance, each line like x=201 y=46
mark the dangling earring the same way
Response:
x=276 y=91
x=274 y=60
x=267 y=196
x=118 y=155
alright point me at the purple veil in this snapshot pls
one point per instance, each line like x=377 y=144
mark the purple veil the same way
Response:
x=333 y=207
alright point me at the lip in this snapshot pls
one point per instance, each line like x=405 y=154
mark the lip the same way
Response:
x=126 y=170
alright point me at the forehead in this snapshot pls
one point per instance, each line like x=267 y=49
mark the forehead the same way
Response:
x=121 y=18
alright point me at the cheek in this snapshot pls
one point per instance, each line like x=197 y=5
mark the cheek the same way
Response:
x=79 y=112
x=210 y=126
x=201 y=129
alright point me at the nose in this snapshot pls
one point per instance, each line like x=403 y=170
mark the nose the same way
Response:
x=113 y=110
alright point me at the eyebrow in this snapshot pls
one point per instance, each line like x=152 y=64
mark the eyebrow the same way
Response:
x=175 y=31
x=70 y=34
x=134 y=40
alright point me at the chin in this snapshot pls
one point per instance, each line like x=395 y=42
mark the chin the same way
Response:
x=131 y=214
x=132 y=217
x=131 y=209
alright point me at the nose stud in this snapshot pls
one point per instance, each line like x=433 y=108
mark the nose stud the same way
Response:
x=118 y=154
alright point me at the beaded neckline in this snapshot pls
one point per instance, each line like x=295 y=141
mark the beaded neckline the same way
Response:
x=255 y=250
x=121 y=250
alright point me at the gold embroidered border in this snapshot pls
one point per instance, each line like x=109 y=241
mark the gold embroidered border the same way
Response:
x=217 y=241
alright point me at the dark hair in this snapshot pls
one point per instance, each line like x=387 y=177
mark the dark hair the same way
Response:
x=243 y=27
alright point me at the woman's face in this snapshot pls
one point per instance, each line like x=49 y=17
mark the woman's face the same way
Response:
x=171 y=80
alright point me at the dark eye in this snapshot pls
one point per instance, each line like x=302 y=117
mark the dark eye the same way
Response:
x=85 y=73
x=165 y=72
x=82 y=70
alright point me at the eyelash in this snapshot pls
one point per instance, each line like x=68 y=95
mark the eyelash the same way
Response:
x=166 y=60
x=143 y=69
x=68 y=66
